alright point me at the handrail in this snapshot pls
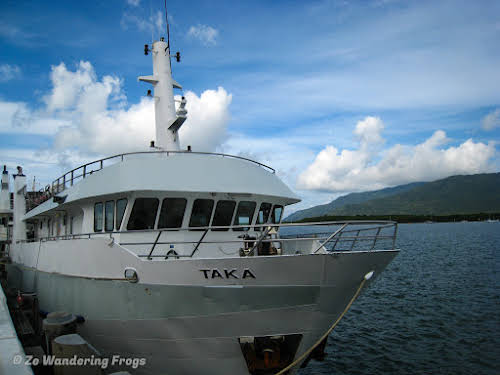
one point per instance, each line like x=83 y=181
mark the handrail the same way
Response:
x=260 y=240
x=59 y=184
x=154 y=244
x=383 y=223
x=372 y=231
x=77 y=237
x=199 y=242
x=360 y=238
x=329 y=238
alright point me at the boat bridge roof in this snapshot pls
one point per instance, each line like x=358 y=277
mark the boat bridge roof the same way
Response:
x=167 y=171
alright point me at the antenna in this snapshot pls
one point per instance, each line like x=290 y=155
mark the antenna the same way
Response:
x=151 y=20
x=168 y=27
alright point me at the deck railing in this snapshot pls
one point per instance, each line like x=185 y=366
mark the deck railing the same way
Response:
x=344 y=236
x=69 y=178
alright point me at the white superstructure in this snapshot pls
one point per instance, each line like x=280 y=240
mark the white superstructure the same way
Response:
x=179 y=257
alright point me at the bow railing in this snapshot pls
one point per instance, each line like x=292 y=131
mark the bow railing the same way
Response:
x=341 y=236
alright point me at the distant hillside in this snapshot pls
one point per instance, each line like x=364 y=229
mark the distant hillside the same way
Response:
x=452 y=195
x=349 y=199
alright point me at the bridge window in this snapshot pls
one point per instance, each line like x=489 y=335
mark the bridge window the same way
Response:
x=121 y=204
x=244 y=214
x=263 y=215
x=277 y=212
x=172 y=212
x=143 y=214
x=201 y=213
x=109 y=216
x=98 y=208
x=223 y=214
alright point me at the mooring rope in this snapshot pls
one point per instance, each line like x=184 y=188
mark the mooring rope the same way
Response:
x=306 y=353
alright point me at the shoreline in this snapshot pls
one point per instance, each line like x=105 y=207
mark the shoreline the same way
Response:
x=476 y=217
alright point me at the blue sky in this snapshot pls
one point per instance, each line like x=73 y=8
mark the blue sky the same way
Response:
x=338 y=96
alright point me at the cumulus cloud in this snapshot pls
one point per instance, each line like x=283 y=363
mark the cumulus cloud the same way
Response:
x=363 y=169
x=91 y=116
x=102 y=124
x=492 y=120
x=9 y=72
x=18 y=117
x=208 y=117
x=369 y=132
x=206 y=34
x=108 y=131
x=67 y=86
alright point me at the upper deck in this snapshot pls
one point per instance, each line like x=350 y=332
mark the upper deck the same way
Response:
x=170 y=171
x=74 y=175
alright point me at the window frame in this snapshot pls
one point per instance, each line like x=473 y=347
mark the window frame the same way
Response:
x=281 y=214
x=112 y=217
x=251 y=217
x=155 y=213
x=163 y=202
x=230 y=219
x=102 y=217
x=192 y=211
x=119 y=224
x=266 y=220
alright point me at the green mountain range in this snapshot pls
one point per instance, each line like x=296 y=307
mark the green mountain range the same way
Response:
x=452 y=195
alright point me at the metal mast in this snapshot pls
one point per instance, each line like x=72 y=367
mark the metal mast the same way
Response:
x=167 y=120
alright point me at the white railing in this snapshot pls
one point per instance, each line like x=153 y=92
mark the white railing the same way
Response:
x=342 y=236
x=69 y=178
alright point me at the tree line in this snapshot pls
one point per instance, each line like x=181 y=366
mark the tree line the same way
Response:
x=409 y=218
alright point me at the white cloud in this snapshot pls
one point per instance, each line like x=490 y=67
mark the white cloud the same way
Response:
x=88 y=115
x=154 y=24
x=159 y=22
x=206 y=34
x=492 y=120
x=349 y=66
x=11 y=113
x=369 y=132
x=99 y=128
x=37 y=164
x=208 y=116
x=133 y=3
x=68 y=85
x=17 y=117
x=362 y=169
x=9 y=72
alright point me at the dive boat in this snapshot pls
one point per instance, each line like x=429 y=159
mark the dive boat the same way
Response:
x=181 y=257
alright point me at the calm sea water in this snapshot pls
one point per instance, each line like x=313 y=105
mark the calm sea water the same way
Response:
x=434 y=310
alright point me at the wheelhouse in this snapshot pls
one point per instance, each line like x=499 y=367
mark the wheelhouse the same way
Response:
x=139 y=205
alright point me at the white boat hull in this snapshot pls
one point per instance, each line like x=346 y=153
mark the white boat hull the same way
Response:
x=183 y=321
